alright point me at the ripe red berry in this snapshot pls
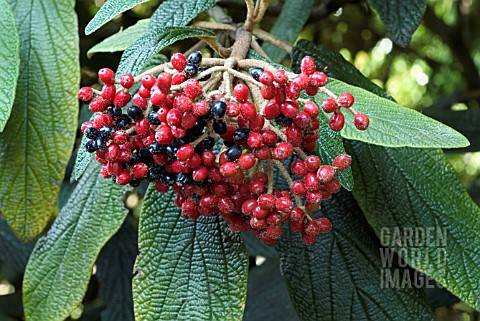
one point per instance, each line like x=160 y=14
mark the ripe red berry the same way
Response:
x=324 y=224
x=342 y=161
x=107 y=76
x=272 y=110
x=256 y=124
x=112 y=152
x=185 y=152
x=179 y=62
x=290 y=108
x=127 y=81
x=85 y=93
x=309 y=239
x=346 y=100
x=199 y=174
x=311 y=109
x=200 y=108
x=297 y=215
x=140 y=101
x=267 y=91
x=280 y=77
x=248 y=110
x=98 y=104
x=311 y=182
x=307 y=65
x=266 y=201
x=283 y=151
x=299 y=168
x=312 y=228
x=164 y=81
x=302 y=120
x=329 y=105
x=312 y=163
x=246 y=161
x=262 y=153
x=192 y=88
x=148 y=81
x=139 y=170
x=241 y=93
x=300 y=82
x=229 y=169
x=124 y=177
x=233 y=110
x=361 y=121
x=255 y=140
x=325 y=173
x=101 y=120
x=164 y=136
x=298 y=188
x=318 y=79
x=121 y=99
x=337 y=121
x=249 y=205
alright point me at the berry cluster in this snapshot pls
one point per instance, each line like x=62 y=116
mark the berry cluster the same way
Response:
x=216 y=148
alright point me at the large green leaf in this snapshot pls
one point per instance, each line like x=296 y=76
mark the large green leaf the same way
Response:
x=37 y=141
x=340 y=277
x=405 y=190
x=108 y=11
x=114 y=274
x=401 y=17
x=392 y=125
x=288 y=28
x=61 y=263
x=13 y=252
x=187 y=270
x=329 y=144
x=9 y=61
x=267 y=295
x=122 y=39
x=171 y=13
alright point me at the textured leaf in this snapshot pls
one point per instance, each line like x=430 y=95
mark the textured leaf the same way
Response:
x=84 y=158
x=267 y=295
x=171 y=13
x=392 y=125
x=334 y=65
x=288 y=28
x=121 y=40
x=13 y=252
x=37 y=142
x=187 y=270
x=401 y=17
x=411 y=189
x=108 y=11
x=339 y=278
x=134 y=61
x=114 y=274
x=60 y=266
x=9 y=61
x=329 y=143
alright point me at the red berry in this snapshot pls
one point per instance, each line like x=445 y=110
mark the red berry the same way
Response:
x=307 y=65
x=200 y=108
x=185 y=152
x=314 y=197
x=157 y=97
x=85 y=125
x=267 y=91
x=208 y=201
x=123 y=178
x=188 y=120
x=255 y=140
x=246 y=161
x=229 y=169
x=182 y=103
x=311 y=109
x=290 y=108
x=342 y=161
x=298 y=188
x=280 y=93
x=312 y=228
x=271 y=110
x=325 y=174
x=329 y=105
x=108 y=92
x=318 y=79
x=283 y=151
x=280 y=77
x=192 y=88
x=266 y=78
x=127 y=81
x=269 y=137
x=139 y=170
x=324 y=224
x=248 y=110
x=346 y=100
x=309 y=239
x=256 y=124
x=266 y=201
x=248 y=206
x=107 y=76
x=296 y=227
x=256 y=186
x=178 y=78
x=299 y=168
x=85 y=93
x=312 y=163
x=194 y=161
x=112 y=152
x=302 y=120
x=311 y=182
x=121 y=99
x=241 y=93
x=125 y=155
x=164 y=136
x=257 y=223
x=98 y=104
x=274 y=231
x=199 y=174
x=148 y=81
x=140 y=101
x=164 y=82
x=262 y=153
x=292 y=91
x=179 y=62
x=101 y=120
x=311 y=90
x=337 y=121
x=174 y=117
x=361 y=121
x=233 y=110
x=300 y=82
x=297 y=215
x=208 y=158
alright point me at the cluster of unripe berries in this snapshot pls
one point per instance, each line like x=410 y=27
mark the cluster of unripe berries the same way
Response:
x=217 y=151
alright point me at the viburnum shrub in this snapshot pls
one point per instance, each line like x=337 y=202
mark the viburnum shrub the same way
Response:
x=225 y=169
x=216 y=143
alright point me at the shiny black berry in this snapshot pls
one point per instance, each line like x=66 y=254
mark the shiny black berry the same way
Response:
x=183 y=178
x=135 y=112
x=241 y=135
x=145 y=155
x=233 y=153
x=190 y=71
x=283 y=120
x=91 y=146
x=106 y=132
x=153 y=118
x=220 y=127
x=208 y=142
x=167 y=179
x=195 y=58
x=200 y=70
x=156 y=148
x=256 y=72
x=219 y=109
x=228 y=143
x=101 y=143
x=123 y=122
x=91 y=132
x=171 y=152
x=153 y=175
x=115 y=112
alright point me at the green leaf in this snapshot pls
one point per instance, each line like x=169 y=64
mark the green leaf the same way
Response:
x=84 y=159
x=267 y=295
x=60 y=266
x=334 y=65
x=187 y=270
x=413 y=190
x=329 y=143
x=108 y=11
x=392 y=125
x=13 y=252
x=121 y=40
x=38 y=139
x=340 y=277
x=134 y=61
x=9 y=62
x=401 y=17
x=171 y=13
x=288 y=28
x=114 y=274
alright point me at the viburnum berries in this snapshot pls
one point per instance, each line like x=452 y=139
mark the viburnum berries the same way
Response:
x=217 y=148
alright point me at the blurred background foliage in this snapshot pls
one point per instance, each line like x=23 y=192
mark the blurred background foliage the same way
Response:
x=437 y=74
